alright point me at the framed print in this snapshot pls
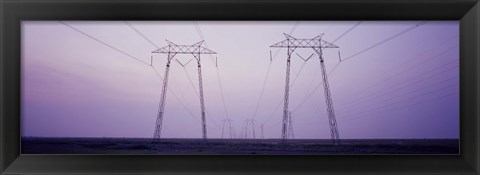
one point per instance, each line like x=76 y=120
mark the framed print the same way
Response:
x=313 y=87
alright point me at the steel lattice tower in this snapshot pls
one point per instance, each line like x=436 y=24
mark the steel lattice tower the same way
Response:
x=251 y=123
x=261 y=129
x=229 y=122
x=245 y=129
x=290 y=133
x=171 y=50
x=317 y=44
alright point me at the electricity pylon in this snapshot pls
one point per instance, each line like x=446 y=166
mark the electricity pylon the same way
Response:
x=290 y=133
x=245 y=129
x=317 y=44
x=227 y=121
x=261 y=129
x=234 y=132
x=171 y=50
x=251 y=123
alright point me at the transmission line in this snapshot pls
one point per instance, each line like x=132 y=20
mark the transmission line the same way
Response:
x=196 y=93
x=349 y=30
x=404 y=100
x=176 y=97
x=387 y=39
x=280 y=102
x=406 y=84
x=104 y=43
x=410 y=92
x=141 y=34
x=180 y=101
x=130 y=56
x=338 y=38
x=433 y=99
x=386 y=79
x=199 y=31
x=268 y=72
x=405 y=70
x=290 y=33
x=151 y=42
x=349 y=119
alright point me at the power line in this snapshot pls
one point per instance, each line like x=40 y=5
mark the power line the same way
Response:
x=397 y=108
x=360 y=112
x=110 y=46
x=262 y=91
x=141 y=34
x=339 y=37
x=349 y=30
x=176 y=97
x=384 y=41
x=392 y=36
x=156 y=46
x=173 y=49
x=268 y=72
x=404 y=100
x=406 y=84
x=196 y=93
x=386 y=79
x=280 y=102
x=291 y=43
x=405 y=70
x=151 y=42
x=410 y=92
x=350 y=119
x=387 y=39
x=104 y=43
x=334 y=67
x=339 y=58
x=200 y=33
x=290 y=32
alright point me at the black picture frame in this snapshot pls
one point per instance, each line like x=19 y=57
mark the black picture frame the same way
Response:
x=14 y=11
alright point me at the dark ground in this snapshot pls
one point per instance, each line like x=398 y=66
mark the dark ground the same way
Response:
x=41 y=145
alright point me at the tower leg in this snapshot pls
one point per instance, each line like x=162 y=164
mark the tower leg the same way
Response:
x=246 y=129
x=261 y=128
x=230 y=128
x=285 y=100
x=330 y=110
x=253 y=128
x=202 y=103
x=223 y=128
x=161 y=108
x=291 y=135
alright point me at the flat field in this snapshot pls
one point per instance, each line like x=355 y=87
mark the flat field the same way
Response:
x=44 y=145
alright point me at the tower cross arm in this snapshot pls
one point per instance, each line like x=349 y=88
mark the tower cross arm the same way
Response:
x=184 y=49
x=304 y=43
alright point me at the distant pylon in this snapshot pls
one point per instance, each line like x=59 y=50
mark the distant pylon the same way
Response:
x=234 y=132
x=227 y=121
x=317 y=44
x=245 y=129
x=249 y=124
x=261 y=129
x=290 y=133
x=252 y=121
x=171 y=50
x=230 y=128
x=223 y=127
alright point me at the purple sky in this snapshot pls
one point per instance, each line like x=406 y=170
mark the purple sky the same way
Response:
x=74 y=86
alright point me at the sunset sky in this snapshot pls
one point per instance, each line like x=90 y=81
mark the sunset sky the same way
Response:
x=390 y=84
